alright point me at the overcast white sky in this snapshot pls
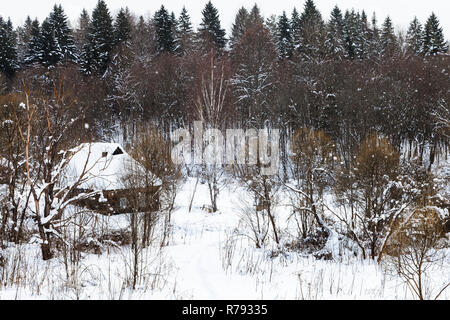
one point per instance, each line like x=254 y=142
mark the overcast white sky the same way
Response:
x=401 y=11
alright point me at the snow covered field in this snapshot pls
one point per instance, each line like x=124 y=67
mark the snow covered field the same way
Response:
x=206 y=260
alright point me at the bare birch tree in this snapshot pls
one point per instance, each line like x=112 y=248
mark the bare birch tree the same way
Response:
x=210 y=105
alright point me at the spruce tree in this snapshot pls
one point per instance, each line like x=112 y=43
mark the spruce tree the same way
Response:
x=240 y=26
x=184 y=33
x=335 y=34
x=122 y=57
x=363 y=36
x=122 y=27
x=100 y=41
x=388 y=39
x=164 y=31
x=351 y=34
x=66 y=49
x=374 y=39
x=210 y=29
x=27 y=28
x=184 y=22
x=8 y=51
x=284 y=37
x=82 y=31
x=310 y=14
x=255 y=17
x=49 y=50
x=142 y=43
x=173 y=21
x=54 y=42
x=34 y=53
x=296 y=29
x=433 y=38
x=313 y=31
x=414 y=37
x=23 y=38
x=271 y=24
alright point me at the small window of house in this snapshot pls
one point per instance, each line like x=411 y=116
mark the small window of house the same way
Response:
x=117 y=151
x=123 y=203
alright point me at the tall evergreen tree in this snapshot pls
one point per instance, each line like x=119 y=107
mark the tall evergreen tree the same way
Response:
x=375 y=46
x=388 y=39
x=122 y=27
x=210 y=29
x=184 y=33
x=255 y=17
x=173 y=21
x=284 y=37
x=34 y=52
x=335 y=34
x=63 y=38
x=100 y=41
x=433 y=38
x=351 y=24
x=122 y=57
x=50 y=54
x=313 y=31
x=53 y=42
x=271 y=24
x=164 y=31
x=8 y=50
x=240 y=25
x=363 y=38
x=184 y=22
x=296 y=29
x=310 y=15
x=23 y=38
x=142 y=37
x=414 y=37
x=83 y=28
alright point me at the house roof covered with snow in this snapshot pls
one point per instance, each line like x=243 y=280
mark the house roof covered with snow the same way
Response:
x=105 y=167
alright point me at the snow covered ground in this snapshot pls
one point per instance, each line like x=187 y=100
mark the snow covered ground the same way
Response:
x=205 y=260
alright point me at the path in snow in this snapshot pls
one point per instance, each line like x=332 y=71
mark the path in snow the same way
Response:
x=196 y=250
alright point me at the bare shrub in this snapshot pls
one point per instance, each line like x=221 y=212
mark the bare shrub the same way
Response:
x=415 y=249
x=154 y=182
x=254 y=224
x=312 y=162
x=153 y=153
x=370 y=188
x=259 y=216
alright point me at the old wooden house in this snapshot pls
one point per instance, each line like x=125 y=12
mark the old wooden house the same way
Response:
x=117 y=183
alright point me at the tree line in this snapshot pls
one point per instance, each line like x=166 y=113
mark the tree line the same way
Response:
x=347 y=35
